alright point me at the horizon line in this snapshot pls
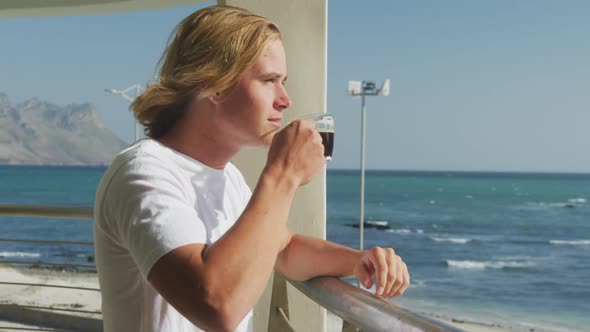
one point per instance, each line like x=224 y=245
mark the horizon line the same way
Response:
x=106 y=165
x=460 y=171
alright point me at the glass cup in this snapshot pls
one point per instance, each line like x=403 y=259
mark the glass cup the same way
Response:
x=324 y=124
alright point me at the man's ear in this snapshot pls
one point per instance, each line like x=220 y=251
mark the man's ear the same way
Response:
x=215 y=98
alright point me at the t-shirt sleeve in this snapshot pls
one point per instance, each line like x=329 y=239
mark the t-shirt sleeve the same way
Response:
x=152 y=214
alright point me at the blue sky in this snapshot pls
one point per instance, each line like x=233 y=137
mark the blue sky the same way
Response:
x=475 y=85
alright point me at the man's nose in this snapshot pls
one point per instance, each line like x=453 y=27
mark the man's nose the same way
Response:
x=282 y=101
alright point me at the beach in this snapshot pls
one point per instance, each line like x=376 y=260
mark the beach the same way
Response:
x=76 y=305
x=87 y=300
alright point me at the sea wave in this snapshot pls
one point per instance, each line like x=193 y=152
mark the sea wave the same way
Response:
x=513 y=258
x=417 y=283
x=570 y=203
x=378 y=222
x=456 y=240
x=19 y=254
x=477 y=265
x=570 y=242
x=577 y=200
x=399 y=231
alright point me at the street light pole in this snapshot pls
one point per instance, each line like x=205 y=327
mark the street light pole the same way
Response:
x=124 y=95
x=365 y=88
x=363 y=137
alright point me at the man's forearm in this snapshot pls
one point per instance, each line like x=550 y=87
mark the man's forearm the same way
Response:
x=307 y=257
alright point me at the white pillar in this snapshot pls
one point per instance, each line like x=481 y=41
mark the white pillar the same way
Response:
x=303 y=24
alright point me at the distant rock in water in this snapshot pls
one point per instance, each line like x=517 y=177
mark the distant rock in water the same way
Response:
x=380 y=225
x=40 y=133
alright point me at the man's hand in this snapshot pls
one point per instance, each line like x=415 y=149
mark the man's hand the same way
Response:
x=390 y=272
x=296 y=153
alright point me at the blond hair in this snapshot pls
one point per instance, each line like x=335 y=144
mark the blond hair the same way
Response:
x=206 y=53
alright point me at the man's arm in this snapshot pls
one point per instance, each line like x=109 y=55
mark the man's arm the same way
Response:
x=307 y=257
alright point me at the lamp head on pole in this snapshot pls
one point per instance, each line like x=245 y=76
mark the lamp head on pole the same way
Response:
x=384 y=91
x=354 y=88
x=368 y=88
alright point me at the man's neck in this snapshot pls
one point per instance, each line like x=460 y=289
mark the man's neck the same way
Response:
x=200 y=140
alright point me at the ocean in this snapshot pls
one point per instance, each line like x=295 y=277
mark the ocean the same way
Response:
x=511 y=249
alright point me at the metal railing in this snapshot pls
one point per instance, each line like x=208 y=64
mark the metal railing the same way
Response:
x=365 y=310
x=358 y=308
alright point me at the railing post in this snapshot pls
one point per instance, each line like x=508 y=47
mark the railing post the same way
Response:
x=279 y=321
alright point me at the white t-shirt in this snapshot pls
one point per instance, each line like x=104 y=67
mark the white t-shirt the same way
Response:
x=150 y=201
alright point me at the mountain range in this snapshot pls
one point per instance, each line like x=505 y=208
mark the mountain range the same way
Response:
x=37 y=132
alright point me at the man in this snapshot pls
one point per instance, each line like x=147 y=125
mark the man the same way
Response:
x=181 y=242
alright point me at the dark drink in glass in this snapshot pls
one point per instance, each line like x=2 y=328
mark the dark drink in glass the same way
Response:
x=328 y=142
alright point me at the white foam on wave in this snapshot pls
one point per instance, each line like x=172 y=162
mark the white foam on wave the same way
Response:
x=457 y=240
x=570 y=242
x=476 y=265
x=19 y=254
x=571 y=203
x=514 y=258
x=399 y=231
x=577 y=200
x=417 y=283
x=545 y=204
x=378 y=222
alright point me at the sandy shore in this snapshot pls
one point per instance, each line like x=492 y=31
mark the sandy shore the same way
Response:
x=16 y=326
x=77 y=299
x=469 y=326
